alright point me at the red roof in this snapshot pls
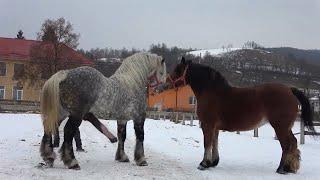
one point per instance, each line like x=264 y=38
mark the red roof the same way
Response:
x=19 y=49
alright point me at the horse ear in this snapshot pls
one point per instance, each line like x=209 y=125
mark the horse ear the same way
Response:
x=183 y=60
x=162 y=61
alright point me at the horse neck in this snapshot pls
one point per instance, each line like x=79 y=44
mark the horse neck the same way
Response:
x=199 y=84
x=133 y=81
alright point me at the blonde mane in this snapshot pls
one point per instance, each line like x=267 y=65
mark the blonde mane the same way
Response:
x=135 y=69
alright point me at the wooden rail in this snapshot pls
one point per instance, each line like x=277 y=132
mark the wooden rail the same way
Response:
x=188 y=116
x=173 y=116
x=303 y=132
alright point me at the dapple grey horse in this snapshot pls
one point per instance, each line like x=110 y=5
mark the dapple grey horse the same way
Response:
x=84 y=93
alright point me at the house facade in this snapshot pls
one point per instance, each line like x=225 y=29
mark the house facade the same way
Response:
x=178 y=99
x=14 y=54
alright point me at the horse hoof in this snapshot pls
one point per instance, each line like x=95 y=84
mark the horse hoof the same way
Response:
x=281 y=171
x=44 y=165
x=114 y=140
x=80 y=150
x=142 y=163
x=214 y=163
x=201 y=168
x=123 y=159
x=75 y=167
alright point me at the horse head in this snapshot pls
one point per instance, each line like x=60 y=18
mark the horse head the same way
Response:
x=178 y=76
x=158 y=76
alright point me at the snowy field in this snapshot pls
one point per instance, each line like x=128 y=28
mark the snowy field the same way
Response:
x=173 y=151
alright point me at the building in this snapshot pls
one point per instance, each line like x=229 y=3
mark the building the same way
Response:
x=179 y=99
x=315 y=103
x=14 y=53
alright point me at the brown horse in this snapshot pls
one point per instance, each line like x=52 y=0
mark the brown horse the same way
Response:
x=223 y=107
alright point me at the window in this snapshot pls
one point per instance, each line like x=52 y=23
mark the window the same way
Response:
x=192 y=100
x=3 y=69
x=17 y=93
x=2 y=92
x=18 y=71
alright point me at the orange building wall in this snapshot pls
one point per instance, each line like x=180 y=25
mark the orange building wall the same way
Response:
x=176 y=99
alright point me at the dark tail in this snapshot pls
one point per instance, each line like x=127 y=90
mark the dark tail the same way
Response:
x=306 y=109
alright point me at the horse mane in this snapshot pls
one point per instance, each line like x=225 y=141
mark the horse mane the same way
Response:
x=206 y=77
x=135 y=69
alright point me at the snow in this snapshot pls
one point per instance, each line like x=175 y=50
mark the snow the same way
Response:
x=213 y=52
x=317 y=82
x=173 y=151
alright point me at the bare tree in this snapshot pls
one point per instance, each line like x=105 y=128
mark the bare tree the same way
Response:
x=50 y=54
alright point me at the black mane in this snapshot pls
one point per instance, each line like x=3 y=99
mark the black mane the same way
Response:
x=201 y=77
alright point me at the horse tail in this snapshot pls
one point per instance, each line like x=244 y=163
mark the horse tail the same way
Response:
x=306 y=109
x=50 y=102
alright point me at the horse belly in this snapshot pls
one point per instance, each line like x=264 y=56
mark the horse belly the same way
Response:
x=244 y=122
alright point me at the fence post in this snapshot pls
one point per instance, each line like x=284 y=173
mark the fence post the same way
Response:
x=183 y=121
x=177 y=117
x=255 y=132
x=191 y=120
x=301 y=132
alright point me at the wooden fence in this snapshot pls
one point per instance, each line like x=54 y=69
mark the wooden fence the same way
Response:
x=173 y=116
x=187 y=116
x=19 y=106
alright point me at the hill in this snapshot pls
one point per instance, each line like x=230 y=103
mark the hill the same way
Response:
x=310 y=56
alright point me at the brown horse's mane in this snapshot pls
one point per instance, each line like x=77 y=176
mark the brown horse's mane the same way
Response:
x=202 y=77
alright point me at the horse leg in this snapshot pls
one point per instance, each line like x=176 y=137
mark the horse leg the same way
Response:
x=122 y=128
x=77 y=139
x=56 y=137
x=67 y=154
x=215 y=152
x=139 y=150
x=46 y=150
x=207 y=158
x=290 y=159
x=101 y=127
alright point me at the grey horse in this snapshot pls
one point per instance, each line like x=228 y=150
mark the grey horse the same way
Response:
x=85 y=94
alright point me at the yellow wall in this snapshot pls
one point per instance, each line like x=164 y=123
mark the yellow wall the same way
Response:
x=29 y=93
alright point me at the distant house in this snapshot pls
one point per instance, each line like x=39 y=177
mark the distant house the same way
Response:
x=14 y=53
x=180 y=99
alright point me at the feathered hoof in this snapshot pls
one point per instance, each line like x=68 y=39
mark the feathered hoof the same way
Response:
x=123 y=158
x=75 y=167
x=204 y=165
x=281 y=171
x=201 y=168
x=142 y=163
x=113 y=140
x=44 y=165
x=285 y=170
x=215 y=162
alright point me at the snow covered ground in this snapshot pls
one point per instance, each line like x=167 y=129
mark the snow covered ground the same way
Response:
x=173 y=151
x=213 y=52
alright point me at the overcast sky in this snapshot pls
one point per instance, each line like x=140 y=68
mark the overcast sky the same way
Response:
x=196 y=24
